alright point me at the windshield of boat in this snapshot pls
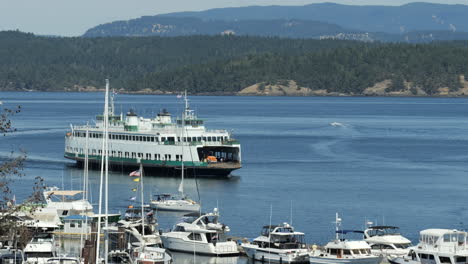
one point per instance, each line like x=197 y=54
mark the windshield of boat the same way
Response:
x=62 y=261
x=383 y=231
x=288 y=239
x=403 y=246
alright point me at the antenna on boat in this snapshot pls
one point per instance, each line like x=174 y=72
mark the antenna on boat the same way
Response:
x=337 y=226
x=290 y=214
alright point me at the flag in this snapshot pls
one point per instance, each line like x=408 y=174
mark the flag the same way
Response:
x=135 y=173
x=136 y=180
x=134 y=190
x=133 y=198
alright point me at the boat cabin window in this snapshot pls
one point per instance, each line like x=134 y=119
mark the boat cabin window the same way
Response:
x=346 y=252
x=445 y=260
x=39 y=255
x=454 y=237
x=356 y=251
x=428 y=239
x=195 y=236
x=333 y=251
x=460 y=259
x=365 y=251
x=403 y=246
x=179 y=229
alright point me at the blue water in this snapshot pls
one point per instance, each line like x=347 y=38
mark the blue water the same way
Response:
x=396 y=161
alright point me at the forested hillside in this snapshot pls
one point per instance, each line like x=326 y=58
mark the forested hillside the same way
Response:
x=226 y=64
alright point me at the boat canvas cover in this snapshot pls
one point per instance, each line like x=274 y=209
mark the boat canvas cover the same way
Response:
x=64 y=193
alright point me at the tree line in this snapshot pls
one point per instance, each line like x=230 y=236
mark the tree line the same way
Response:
x=224 y=64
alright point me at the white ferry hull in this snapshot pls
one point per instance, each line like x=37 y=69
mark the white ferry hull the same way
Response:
x=275 y=257
x=152 y=169
x=325 y=260
x=202 y=248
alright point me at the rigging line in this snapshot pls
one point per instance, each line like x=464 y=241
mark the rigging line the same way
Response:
x=194 y=172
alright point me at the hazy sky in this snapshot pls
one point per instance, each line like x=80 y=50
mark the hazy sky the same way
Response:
x=74 y=17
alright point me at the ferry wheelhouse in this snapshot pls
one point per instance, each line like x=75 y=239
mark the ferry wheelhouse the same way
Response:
x=156 y=143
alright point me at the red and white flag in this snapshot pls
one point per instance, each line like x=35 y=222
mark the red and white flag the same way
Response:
x=135 y=173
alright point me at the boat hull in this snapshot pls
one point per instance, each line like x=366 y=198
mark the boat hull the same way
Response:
x=176 y=207
x=266 y=255
x=201 y=248
x=324 y=260
x=159 y=170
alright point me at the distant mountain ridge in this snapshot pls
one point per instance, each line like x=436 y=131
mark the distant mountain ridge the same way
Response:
x=416 y=22
x=417 y=16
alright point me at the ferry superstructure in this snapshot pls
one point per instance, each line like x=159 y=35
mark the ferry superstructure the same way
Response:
x=157 y=142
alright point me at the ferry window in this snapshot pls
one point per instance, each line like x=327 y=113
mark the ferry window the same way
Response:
x=177 y=157
x=152 y=139
x=100 y=152
x=140 y=155
x=133 y=154
x=120 y=154
x=189 y=139
x=195 y=236
x=218 y=138
x=209 y=138
x=127 y=154
x=178 y=139
x=169 y=156
x=145 y=139
x=204 y=138
x=156 y=139
x=445 y=260
x=113 y=153
x=194 y=138
x=163 y=139
x=148 y=156
x=198 y=138
x=155 y=156
x=459 y=259
x=346 y=252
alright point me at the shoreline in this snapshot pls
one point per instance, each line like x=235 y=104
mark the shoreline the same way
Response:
x=249 y=95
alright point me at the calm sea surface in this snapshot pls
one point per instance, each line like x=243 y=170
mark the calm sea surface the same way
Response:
x=395 y=161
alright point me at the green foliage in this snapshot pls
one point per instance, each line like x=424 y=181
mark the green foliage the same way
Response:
x=225 y=64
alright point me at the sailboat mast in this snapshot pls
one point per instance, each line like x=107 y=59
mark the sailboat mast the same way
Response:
x=103 y=181
x=106 y=153
x=142 y=201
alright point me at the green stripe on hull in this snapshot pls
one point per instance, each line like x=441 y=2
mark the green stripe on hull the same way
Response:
x=162 y=163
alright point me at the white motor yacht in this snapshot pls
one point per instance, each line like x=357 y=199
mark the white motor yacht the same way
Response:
x=437 y=246
x=386 y=241
x=64 y=203
x=200 y=234
x=342 y=250
x=40 y=249
x=279 y=244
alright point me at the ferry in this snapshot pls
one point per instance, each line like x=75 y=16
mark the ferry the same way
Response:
x=156 y=143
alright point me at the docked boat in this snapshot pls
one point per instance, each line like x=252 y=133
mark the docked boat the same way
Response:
x=65 y=203
x=386 y=241
x=341 y=250
x=200 y=234
x=174 y=202
x=156 y=143
x=40 y=249
x=137 y=231
x=278 y=244
x=437 y=246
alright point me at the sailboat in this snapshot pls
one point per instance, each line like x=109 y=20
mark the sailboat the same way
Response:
x=180 y=201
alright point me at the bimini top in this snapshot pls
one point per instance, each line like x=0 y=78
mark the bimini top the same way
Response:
x=384 y=227
x=344 y=232
x=63 y=193
x=440 y=232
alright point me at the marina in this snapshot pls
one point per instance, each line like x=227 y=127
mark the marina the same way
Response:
x=294 y=161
